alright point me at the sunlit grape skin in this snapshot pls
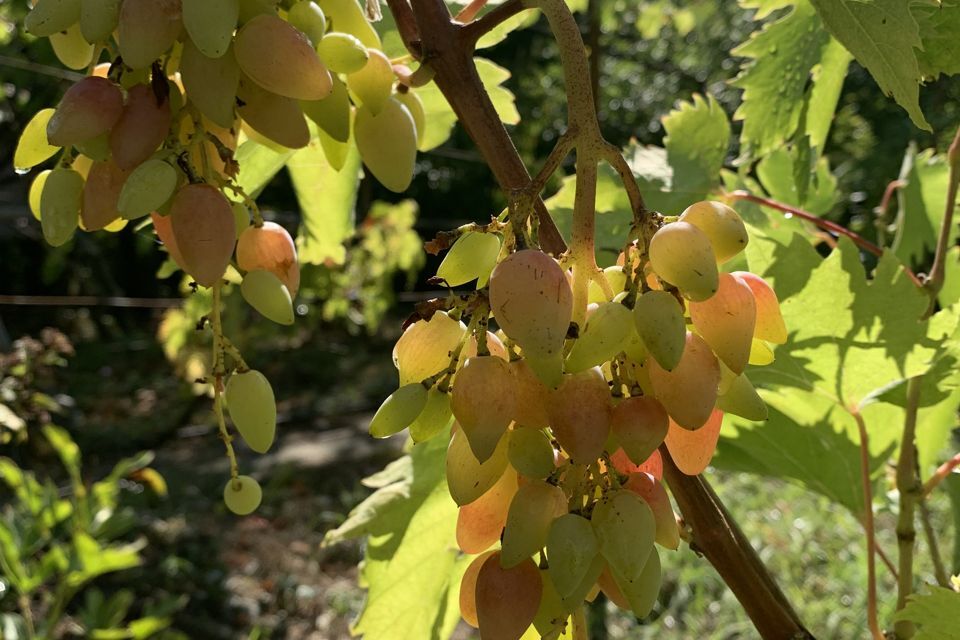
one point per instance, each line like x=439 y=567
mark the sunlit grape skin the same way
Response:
x=88 y=109
x=571 y=548
x=270 y=247
x=769 y=326
x=203 y=225
x=693 y=450
x=534 y=507
x=658 y=318
x=480 y=523
x=653 y=493
x=467 y=478
x=507 y=599
x=141 y=128
x=148 y=28
x=468 y=589
x=640 y=425
x=727 y=233
x=387 y=141
x=681 y=254
x=726 y=321
x=625 y=530
x=252 y=408
x=483 y=403
x=426 y=347
x=266 y=293
x=579 y=413
x=242 y=495
x=689 y=392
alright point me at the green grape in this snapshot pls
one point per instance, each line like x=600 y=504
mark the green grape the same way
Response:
x=399 y=410
x=689 y=392
x=241 y=218
x=51 y=16
x=96 y=149
x=99 y=19
x=147 y=29
x=535 y=506
x=270 y=247
x=468 y=589
x=640 y=425
x=760 y=353
x=769 y=326
x=435 y=417
x=617 y=280
x=203 y=226
x=414 y=105
x=88 y=109
x=33 y=148
x=308 y=17
x=426 y=347
x=641 y=592
x=653 y=493
x=373 y=83
x=242 y=495
x=250 y=9
x=507 y=598
x=210 y=24
x=625 y=530
x=71 y=48
x=335 y=151
x=348 y=17
x=531 y=453
x=483 y=403
x=726 y=321
x=101 y=194
x=388 y=144
x=693 y=450
x=579 y=411
x=266 y=293
x=36 y=191
x=571 y=547
x=723 y=226
x=602 y=338
x=281 y=59
x=252 y=408
x=480 y=523
x=552 y=618
x=142 y=127
x=211 y=83
x=146 y=189
x=532 y=397
x=467 y=477
x=60 y=204
x=741 y=399
x=586 y=587
x=332 y=114
x=635 y=347
x=275 y=117
x=342 y=52
x=681 y=254
x=472 y=257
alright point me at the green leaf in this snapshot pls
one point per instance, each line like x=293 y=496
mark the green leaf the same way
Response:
x=952 y=486
x=883 y=36
x=91 y=559
x=258 y=164
x=921 y=205
x=935 y=612
x=66 y=449
x=828 y=77
x=939 y=25
x=697 y=139
x=778 y=176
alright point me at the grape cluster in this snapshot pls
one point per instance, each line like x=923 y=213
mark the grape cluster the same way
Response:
x=554 y=454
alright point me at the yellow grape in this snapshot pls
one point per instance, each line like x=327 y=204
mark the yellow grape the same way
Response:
x=414 y=105
x=625 y=530
x=741 y=399
x=468 y=589
x=532 y=397
x=579 y=411
x=242 y=495
x=348 y=17
x=693 y=450
x=681 y=254
x=250 y=9
x=372 y=84
x=399 y=410
x=640 y=425
x=723 y=226
x=101 y=194
x=467 y=477
x=147 y=189
x=483 y=403
x=653 y=493
x=342 y=53
x=507 y=598
x=533 y=509
x=60 y=204
x=281 y=59
x=689 y=392
x=51 y=16
x=273 y=116
x=435 y=417
x=99 y=19
x=252 y=408
x=552 y=618
x=270 y=247
x=211 y=83
x=210 y=24
x=617 y=280
x=71 y=48
x=531 y=453
x=387 y=143
x=472 y=257
x=33 y=148
x=203 y=225
x=760 y=353
x=148 y=28
x=726 y=322
x=426 y=347
x=606 y=331
x=96 y=149
x=770 y=326
x=640 y=592
x=36 y=190
x=571 y=548
x=332 y=114
x=266 y=293
x=142 y=127
x=307 y=16
x=241 y=218
x=480 y=523
x=164 y=230
x=494 y=346
x=88 y=109
x=587 y=589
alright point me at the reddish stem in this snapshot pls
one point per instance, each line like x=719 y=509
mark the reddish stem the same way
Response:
x=941 y=474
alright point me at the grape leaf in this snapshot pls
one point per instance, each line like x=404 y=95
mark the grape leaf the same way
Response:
x=777 y=174
x=935 y=612
x=697 y=139
x=952 y=486
x=939 y=25
x=828 y=77
x=258 y=164
x=921 y=205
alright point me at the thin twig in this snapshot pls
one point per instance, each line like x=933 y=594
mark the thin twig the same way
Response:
x=934 y=282
x=941 y=474
x=615 y=159
x=869 y=528
x=888 y=562
x=473 y=31
x=939 y=569
x=469 y=12
x=908 y=486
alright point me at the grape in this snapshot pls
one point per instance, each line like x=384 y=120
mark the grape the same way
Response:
x=210 y=24
x=617 y=280
x=681 y=254
x=468 y=589
x=33 y=148
x=579 y=413
x=760 y=353
x=211 y=83
x=348 y=17
x=242 y=494
x=770 y=326
x=51 y=16
x=252 y=408
x=640 y=425
x=36 y=190
x=414 y=105
x=723 y=226
x=426 y=347
x=141 y=128
x=507 y=598
x=653 y=493
x=60 y=204
x=641 y=592
x=241 y=218
x=587 y=589
x=101 y=194
x=202 y=223
x=726 y=321
x=164 y=229
x=146 y=189
x=468 y=478
x=480 y=523
x=148 y=28
x=741 y=399
x=609 y=587
x=96 y=149
x=658 y=319
x=532 y=397
x=274 y=117
x=652 y=465
x=494 y=346
x=343 y=53
x=571 y=547
x=483 y=403
x=535 y=506
x=270 y=247
x=308 y=17
x=602 y=338
x=472 y=257
x=399 y=410
x=71 y=48
x=552 y=617
x=689 y=392
x=332 y=114
x=99 y=19
x=388 y=144
x=625 y=530
x=531 y=453
x=250 y=9
x=206 y=154
x=434 y=418
x=373 y=83
x=89 y=108
x=281 y=59
x=266 y=293
x=693 y=450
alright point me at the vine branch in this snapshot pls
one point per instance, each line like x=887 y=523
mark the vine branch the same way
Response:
x=870 y=529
